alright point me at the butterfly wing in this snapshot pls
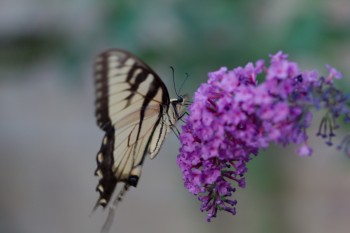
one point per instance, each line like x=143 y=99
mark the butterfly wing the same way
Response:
x=131 y=101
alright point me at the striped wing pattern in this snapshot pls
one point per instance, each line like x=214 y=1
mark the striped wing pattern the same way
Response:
x=132 y=105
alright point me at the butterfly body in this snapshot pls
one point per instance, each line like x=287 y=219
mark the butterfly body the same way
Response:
x=134 y=110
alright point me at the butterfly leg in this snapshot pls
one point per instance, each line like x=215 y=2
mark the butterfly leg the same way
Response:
x=175 y=131
x=185 y=113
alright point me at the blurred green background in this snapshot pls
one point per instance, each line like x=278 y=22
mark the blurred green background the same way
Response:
x=49 y=139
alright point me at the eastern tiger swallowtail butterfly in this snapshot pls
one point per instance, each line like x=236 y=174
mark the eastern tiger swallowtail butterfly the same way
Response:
x=134 y=110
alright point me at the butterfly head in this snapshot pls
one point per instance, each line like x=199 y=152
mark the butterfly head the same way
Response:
x=179 y=105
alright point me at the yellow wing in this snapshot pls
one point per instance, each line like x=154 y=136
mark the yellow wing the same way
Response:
x=131 y=101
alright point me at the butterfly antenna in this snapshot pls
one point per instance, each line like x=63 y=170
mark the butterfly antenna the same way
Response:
x=173 y=71
x=108 y=223
x=183 y=82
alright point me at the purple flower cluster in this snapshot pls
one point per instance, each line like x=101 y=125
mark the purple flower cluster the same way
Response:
x=232 y=117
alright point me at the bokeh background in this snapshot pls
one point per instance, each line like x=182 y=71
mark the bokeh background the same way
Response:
x=49 y=139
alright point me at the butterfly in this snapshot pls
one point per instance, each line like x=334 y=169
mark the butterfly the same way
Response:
x=134 y=110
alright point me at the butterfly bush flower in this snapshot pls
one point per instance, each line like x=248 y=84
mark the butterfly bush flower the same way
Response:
x=233 y=117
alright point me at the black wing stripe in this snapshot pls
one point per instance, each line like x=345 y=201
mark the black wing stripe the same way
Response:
x=126 y=171
x=142 y=95
x=127 y=118
x=139 y=78
x=133 y=148
x=150 y=95
x=108 y=181
x=101 y=80
x=157 y=145
x=131 y=117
